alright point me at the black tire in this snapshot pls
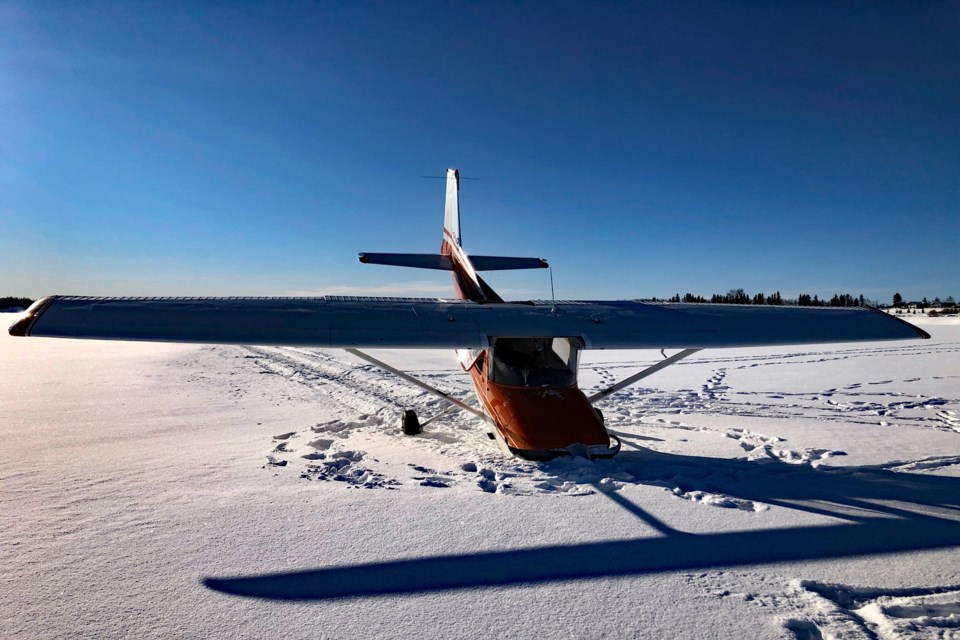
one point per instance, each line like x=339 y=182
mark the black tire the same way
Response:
x=410 y=423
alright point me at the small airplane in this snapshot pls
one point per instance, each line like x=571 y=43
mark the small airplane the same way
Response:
x=522 y=356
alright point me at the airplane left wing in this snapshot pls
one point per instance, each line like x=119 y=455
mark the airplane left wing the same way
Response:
x=329 y=321
x=345 y=321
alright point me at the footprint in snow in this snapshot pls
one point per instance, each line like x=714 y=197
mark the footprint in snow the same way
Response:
x=432 y=478
x=347 y=467
x=900 y=612
x=803 y=629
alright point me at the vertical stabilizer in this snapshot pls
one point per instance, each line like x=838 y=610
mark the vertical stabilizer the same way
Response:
x=466 y=282
x=451 y=213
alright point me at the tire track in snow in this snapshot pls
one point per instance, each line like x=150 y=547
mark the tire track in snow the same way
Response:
x=326 y=376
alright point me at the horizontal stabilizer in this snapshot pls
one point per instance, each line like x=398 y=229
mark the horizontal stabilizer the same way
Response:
x=416 y=260
x=498 y=263
x=445 y=263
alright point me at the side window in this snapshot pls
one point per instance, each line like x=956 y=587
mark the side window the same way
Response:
x=561 y=347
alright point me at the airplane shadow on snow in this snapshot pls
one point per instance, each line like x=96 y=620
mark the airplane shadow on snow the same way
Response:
x=879 y=511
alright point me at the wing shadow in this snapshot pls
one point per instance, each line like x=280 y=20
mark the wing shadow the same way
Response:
x=881 y=511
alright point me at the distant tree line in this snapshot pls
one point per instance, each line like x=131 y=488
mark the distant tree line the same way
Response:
x=946 y=303
x=15 y=303
x=739 y=296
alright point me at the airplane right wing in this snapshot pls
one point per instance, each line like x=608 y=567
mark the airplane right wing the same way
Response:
x=344 y=321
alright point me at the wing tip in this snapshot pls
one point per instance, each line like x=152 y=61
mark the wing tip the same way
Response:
x=24 y=325
x=923 y=335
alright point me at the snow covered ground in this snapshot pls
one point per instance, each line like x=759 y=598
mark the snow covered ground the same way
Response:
x=170 y=491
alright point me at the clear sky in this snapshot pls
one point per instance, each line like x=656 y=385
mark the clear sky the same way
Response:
x=645 y=149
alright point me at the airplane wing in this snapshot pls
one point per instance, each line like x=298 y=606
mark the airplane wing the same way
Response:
x=344 y=321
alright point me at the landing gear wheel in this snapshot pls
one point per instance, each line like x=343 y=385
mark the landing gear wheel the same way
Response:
x=410 y=423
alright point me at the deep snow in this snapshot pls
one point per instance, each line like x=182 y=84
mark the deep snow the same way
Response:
x=776 y=493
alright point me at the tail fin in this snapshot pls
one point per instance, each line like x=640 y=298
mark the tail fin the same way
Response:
x=463 y=268
x=451 y=213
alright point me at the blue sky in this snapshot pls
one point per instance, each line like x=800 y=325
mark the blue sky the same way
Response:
x=152 y=148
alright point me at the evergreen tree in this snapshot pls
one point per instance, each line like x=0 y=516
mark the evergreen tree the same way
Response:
x=10 y=302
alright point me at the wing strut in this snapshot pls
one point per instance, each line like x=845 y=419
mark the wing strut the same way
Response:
x=412 y=380
x=600 y=395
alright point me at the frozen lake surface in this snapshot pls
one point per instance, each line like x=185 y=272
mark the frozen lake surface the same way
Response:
x=170 y=491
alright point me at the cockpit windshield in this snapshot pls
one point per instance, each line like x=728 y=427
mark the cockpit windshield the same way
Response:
x=535 y=362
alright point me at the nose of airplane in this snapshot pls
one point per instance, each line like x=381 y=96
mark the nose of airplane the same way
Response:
x=535 y=419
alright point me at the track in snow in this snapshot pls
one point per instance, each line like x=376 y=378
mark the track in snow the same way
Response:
x=883 y=401
x=810 y=610
x=370 y=401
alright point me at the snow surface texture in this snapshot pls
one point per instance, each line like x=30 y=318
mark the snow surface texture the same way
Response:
x=159 y=491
